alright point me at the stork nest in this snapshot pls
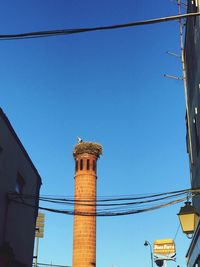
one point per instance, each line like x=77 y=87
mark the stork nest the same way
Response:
x=88 y=147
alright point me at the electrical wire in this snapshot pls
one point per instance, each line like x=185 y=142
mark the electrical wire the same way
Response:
x=41 y=34
x=118 y=209
x=103 y=213
x=177 y=231
x=84 y=203
x=105 y=199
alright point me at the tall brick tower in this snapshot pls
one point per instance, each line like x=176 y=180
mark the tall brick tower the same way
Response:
x=84 y=244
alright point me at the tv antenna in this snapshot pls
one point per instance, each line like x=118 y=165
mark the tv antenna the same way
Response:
x=183 y=78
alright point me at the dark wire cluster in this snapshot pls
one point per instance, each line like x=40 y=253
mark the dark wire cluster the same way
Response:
x=41 y=34
x=106 y=206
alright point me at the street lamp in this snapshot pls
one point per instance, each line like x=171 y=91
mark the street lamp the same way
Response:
x=146 y=243
x=188 y=219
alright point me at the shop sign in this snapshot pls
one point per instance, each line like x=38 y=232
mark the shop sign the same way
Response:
x=164 y=247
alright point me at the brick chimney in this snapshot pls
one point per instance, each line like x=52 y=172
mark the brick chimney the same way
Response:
x=84 y=243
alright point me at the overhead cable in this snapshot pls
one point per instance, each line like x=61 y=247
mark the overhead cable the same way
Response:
x=103 y=213
x=48 y=33
x=93 y=202
x=108 y=209
x=108 y=198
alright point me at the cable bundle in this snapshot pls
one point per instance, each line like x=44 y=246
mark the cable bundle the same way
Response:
x=107 y=206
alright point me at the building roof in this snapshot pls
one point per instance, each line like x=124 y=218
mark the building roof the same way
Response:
x=12 y=131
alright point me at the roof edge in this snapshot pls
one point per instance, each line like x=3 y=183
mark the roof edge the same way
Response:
x=8 y=124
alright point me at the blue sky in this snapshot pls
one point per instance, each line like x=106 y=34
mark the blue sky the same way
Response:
x=106 y=87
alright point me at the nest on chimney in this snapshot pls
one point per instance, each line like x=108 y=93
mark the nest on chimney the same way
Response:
x=88 y=147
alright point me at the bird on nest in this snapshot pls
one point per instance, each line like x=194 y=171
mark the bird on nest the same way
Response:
x=79 y=139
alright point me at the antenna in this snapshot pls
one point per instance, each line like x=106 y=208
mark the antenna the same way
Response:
x=173 y=77
x=184 y=81
x=182 y=4
x=173 y=54
x=183 y=78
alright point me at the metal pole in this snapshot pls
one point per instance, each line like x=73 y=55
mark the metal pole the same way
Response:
x=151 y=255
x=37 y=245
x=184 y=82
x=151 y=258
x=148 y=244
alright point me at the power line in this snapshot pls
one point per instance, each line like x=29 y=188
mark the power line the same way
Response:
x=119 y=209
x=103 y=213
x=93 y=202
x=41 y=34
x=108 y=198
x=177 y=231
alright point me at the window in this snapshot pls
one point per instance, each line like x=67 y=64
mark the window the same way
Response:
x=81 y=164
x=20 y=183
x=88 y=164
x=196 y=135
x=76 y=165
x=94 y=165
x=193 y=8
x=197 y=263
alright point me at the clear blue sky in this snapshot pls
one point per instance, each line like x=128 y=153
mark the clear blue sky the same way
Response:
x=106 y=87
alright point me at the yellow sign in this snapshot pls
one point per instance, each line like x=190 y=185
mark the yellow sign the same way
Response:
x=39 y=232
x=164 y=247
x=40 y=235
x=39 y=224
x=41 y=215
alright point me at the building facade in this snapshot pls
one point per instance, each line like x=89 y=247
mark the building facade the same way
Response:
x=18 y=177
x=192 y=68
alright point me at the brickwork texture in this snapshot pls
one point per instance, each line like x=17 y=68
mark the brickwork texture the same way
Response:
x=84 y=242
